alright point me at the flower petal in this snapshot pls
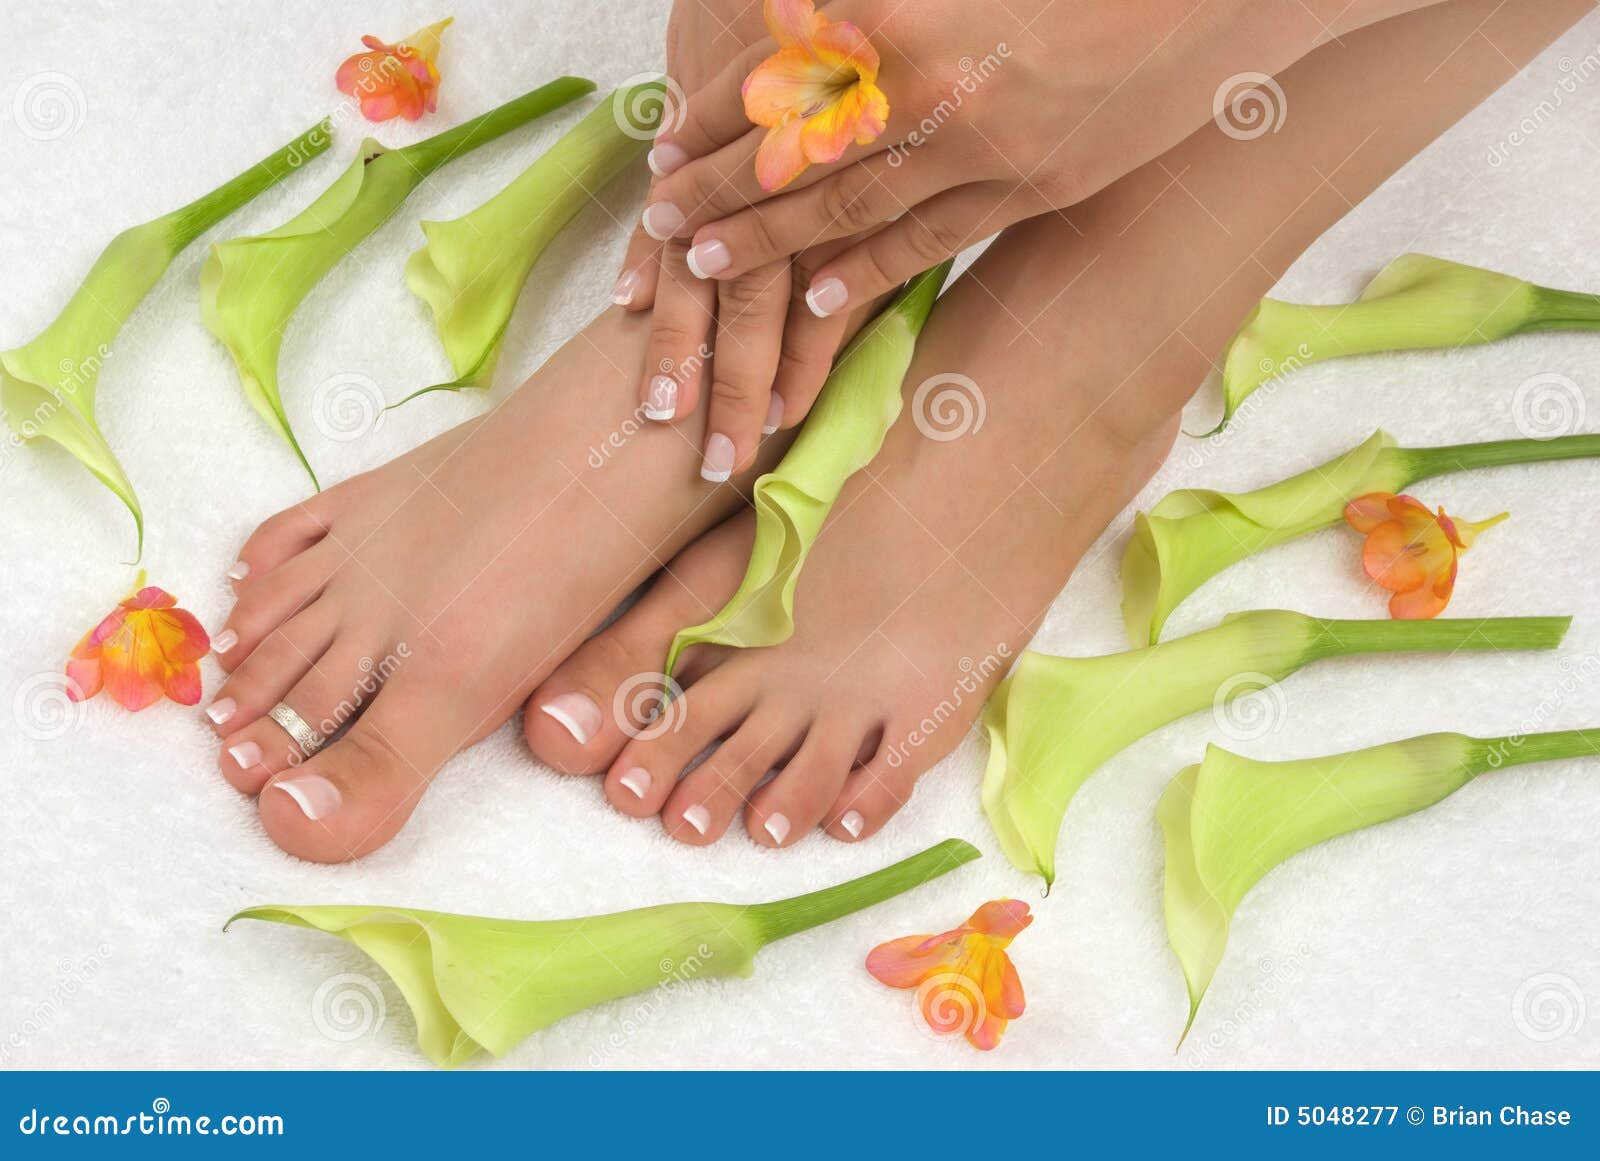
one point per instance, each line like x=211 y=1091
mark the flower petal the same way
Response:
x=1419 y=604
x=906 y=962
x=1393 y=556
x=787 y=84
x=1003 y=918
x=792 y=23
x=858 y=116
x=1365 y=513
x=781 y=159
x=83 y=674
x=845 y=47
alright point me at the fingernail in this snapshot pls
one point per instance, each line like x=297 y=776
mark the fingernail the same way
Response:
x=774 y=416
x=662 y=403
x=314 y=795
x=577 y=713
x=627 y=286
x=224 y=641
x=666 y=158
x=826 y=297
x=718 y=463
x=245 y=755
x=709 y=258
x=221 y=710
x=853 y=822
x=239 y=571
x=662 y=220
x=636 y=780
x=777 y=825
x=698 y=817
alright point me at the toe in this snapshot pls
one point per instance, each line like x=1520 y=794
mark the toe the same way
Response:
x=648 y=769
x=608 y=691
x=875 y=792
x=789 y=807
x=261 y=679
x=281 y=537
x=271 y=600
x=700 y=810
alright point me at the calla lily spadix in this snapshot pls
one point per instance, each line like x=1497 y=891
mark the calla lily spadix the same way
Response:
x=1229 y=820
x=1056 y=720
x=1193 y=534
x=473 y=268
x=486 y=984
x=853 y=413
x=1417 y=302
x=251 y=287
x=48 y=386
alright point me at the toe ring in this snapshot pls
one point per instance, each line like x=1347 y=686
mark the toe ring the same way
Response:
x=297 y=728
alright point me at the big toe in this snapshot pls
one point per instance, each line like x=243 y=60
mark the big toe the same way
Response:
x=604 y=694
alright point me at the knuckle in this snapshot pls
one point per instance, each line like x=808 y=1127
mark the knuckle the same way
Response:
x=847 y=202
x=932 y=240
x=735 y=393
x=748 y=294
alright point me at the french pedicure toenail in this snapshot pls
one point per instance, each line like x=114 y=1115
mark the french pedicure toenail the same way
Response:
x=718 y=463
x=222 y=709
x=314 y=795
x=827 y=297
x=777 y=825
x=853 y=823
x=245 y=755
x=774 y=416
x=666 y=158
x=224 y=641
x=662 y=220
x=578 y=713
x=637 y=780
x=627 y=286
x=698 y=817
x=708 y=259
x=662 y=403
x=239 y=571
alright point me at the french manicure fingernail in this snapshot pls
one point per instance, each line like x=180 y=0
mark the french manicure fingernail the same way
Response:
x=777 y=825
x=239 y=571
x=662 y=403
x=666 y=158
x=662 y=220
x=827 y=297
x=221 y=710
x=627 y=286
x=245 y=755
x=698 y=817
x=774 y=416
x=577 y=713
x=636 y=780
x=853 y=823
x=313 y=794
x=709 y=258
x=718 y=463
x=224 y=641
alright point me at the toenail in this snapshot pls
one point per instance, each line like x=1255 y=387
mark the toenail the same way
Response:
x=245 y=755
x=698 y=817
x=774 y=416
x=718 y=463
x=239 y=571
x=662 y=220
x=853 y=822
x=636 y=780
x=224 y=641
x=314 y=795
x=221 y=710
x=578 y=713
x=662 y=403
x=777 y=826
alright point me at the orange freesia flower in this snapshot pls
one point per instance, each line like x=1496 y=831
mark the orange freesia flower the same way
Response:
x=815 y=95
x=1411 y=551
x=395 y=80
x=965 y=981
x=147 y=647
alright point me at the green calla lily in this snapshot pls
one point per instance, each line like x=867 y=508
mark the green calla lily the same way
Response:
x=1056 y=720
x=1229 y=820
x=1417 y=302
x=251 y=287
x=472 y=270
x=853 y=413
x=486 y=984
x=48 y=386
x=1193 y=534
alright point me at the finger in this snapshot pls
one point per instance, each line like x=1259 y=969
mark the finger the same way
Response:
x=809 y=343
x=711 y=117
x=925 y=236
x=676 y=353
x=636 y=284
x=750 y=317
x=859 y=197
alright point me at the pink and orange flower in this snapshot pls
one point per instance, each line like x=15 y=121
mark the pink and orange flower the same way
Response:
x=395 y=80
x=145 y=649
x=1411 y=551
x=815 y=95
x=965 y=981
